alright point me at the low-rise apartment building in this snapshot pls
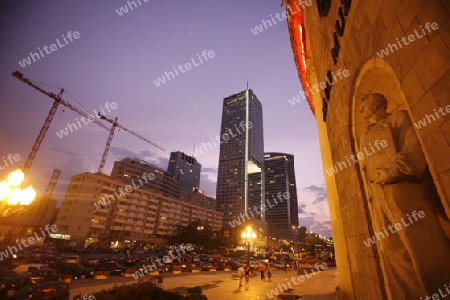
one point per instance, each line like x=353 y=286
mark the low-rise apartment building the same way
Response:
x=98 y=207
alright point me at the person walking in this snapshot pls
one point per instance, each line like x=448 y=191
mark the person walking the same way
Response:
x=262 y=269
x=247 y=274
x=269 y=271
x=240 y=274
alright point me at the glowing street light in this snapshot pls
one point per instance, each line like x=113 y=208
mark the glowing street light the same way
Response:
x=12 y=193
x=15 y=178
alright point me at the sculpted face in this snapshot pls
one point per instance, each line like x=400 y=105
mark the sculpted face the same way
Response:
x=369 y=106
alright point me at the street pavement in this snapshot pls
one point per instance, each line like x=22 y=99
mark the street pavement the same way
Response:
x=224 y=285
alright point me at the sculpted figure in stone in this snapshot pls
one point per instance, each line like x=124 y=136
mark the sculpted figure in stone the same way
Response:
x=404 y=209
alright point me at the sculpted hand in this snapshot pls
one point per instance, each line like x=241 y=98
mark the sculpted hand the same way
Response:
x=384 y=177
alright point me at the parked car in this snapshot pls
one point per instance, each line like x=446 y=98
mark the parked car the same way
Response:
x=72 y=259
x=28 y=267
x=113 y=268
x=90 y=261
x=9 y=282
x=76 y=270
x=44 y=291
x=37 y=276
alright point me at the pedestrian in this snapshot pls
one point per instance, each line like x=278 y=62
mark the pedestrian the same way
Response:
x=240 y=274
x=247 y=274
x=269 y=271
x=262 y=269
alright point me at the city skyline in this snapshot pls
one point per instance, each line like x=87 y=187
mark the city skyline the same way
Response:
x=117 y=58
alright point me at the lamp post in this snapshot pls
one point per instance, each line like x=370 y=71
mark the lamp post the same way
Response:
x=13 y=195
x=247 y=235
x=296 y=236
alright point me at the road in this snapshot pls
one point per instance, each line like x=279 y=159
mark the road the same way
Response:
x=224 y=285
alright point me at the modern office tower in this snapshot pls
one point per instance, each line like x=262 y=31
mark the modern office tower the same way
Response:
x=282 y=217
x=240 y=179
x=133 y=170
x=101 y=208
x=186 y=170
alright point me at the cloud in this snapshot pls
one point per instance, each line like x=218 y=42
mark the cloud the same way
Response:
x=208 y=185
x=64 y=151
x=145 y=155
x=313 y=210
x=319 y=192
x=301 y=209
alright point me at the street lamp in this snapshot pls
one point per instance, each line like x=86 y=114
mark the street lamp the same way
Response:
x=247 y=235
x=13 y=194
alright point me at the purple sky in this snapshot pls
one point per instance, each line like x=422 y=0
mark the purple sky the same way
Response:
x=117 y=58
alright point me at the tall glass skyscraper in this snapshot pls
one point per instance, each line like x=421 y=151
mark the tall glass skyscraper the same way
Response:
x=240 y=180
x=186 y=170
x=282 y=219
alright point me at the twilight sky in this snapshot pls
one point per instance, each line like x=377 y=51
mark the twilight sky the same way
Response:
x=118 y=58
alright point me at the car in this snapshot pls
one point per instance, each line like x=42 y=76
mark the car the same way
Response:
x=90 y=261
x=28 y=267
x=9 y=282
x=44 y=291
x=72 y=259
x=75 y=270
x=37 y=276
x=113 y=268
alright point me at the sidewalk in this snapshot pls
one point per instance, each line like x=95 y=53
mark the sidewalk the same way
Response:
x=321 y=286
x=224 y=285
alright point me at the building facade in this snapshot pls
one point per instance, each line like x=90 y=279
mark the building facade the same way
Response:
x=186 y=170
x=130 y=214
x=282 y=218
x=240 y=179
x=379 y=71
x=198 y=197
x=130 y=170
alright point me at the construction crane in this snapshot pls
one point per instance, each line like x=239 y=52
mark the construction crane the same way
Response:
x=52 y=183
x=57 y=101
x=111 y=134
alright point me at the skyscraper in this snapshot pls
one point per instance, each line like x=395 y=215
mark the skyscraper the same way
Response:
x=282 y=218
x=186 y=170
x=240 y=180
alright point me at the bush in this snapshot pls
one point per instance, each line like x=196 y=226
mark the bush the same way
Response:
x=144 y=290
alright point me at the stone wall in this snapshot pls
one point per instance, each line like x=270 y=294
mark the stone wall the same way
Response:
x=413 y=77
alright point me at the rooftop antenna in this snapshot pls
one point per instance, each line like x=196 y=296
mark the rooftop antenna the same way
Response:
x=193 y=150
x=247 y=85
